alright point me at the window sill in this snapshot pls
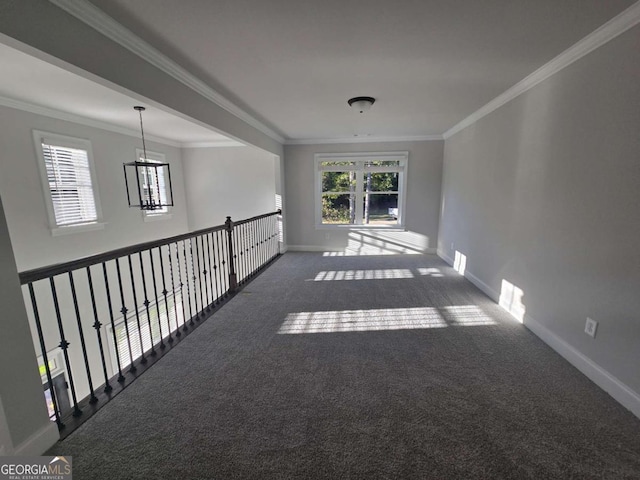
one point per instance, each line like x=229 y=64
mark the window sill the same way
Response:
x=71 y=229
x=158 y=217
x=329 y=226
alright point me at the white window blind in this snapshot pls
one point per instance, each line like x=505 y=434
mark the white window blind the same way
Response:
x=70 y=185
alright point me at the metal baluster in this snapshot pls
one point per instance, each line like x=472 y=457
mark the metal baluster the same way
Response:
x=221 y=265
x=245 y=242
x=165 y=292
x=199 y=278
x=250 y=246
x=227 y=265
x=43 y=349
x=83 y=345
x=146 y=304
x=274 y=230
x=265 y=242
x=155 y=295
x=252 y=241
x=124 y=311
x=97 y=325
x=270 y=238
x=240 y=237
x=261 y=243
x=202 y=274
x=240 y=249
x=186 y=277
x=184 y=313
x=173 y=289
x=143 y=358
x=210 y=295
x=233 y=279
x=256 y=242
x=259 y=229
x=64 y=345
x=113 y=325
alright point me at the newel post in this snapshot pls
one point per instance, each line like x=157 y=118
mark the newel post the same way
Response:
x=233 y=279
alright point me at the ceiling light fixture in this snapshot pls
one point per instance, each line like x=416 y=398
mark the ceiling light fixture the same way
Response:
x=362 y=104
x=152 y=180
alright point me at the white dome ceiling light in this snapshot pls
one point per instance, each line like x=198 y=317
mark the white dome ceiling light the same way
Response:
x=362 y=104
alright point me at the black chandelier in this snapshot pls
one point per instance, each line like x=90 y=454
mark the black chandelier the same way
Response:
x=148 y=182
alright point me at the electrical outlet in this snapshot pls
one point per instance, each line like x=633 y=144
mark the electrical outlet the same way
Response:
x=591 y=327
x=451 y=245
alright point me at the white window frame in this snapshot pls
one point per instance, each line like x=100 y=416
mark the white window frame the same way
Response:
x=360 y=158
x=40 y=138
x=165 y=213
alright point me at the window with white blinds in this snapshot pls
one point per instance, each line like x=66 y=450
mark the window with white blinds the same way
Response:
x=69 y=179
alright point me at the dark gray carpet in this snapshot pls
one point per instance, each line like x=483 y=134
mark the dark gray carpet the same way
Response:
x=479 y=396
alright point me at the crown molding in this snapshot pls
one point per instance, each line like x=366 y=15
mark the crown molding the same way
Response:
x=339 y=140
x=109 y=127
x=221 y=143
x=103 y=23
x=85 y=121
x=608 y=31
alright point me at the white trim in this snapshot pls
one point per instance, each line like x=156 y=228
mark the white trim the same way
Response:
x=156 y=217
x=365 y=226
x=486 y=289
x=614 y=27
x=221 y=143
x=103 y=23
x=598 y=375
x=71 y=229
x=320 y=248
x=624 y=395
x=84 y=121
x=341 y=140
x=109 y=127
x=6 y=442
x=313 y=248
x=65 y=140
x=39 y=442
x=358 y=158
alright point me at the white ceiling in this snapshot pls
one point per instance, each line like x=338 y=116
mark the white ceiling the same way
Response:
x=294 y=63
x=33 y=84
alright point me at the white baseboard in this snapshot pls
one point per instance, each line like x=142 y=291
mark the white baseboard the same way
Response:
x=6 y=444
x=624 y=395
x=313 y=248
x=598 y=375
x=320 y=248
x=491 y=293
x=39 y=442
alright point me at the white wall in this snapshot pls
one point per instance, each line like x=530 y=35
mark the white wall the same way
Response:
x=424 y=176
x=26 y=429
x=35 y=246
x=24 y=199
x=544 y=193
x=233 y=181
x=116 y=65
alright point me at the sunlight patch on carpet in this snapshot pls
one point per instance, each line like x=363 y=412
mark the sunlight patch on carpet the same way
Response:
x=384 y=319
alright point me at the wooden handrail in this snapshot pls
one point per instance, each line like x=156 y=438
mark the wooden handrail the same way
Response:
x=41 y=273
